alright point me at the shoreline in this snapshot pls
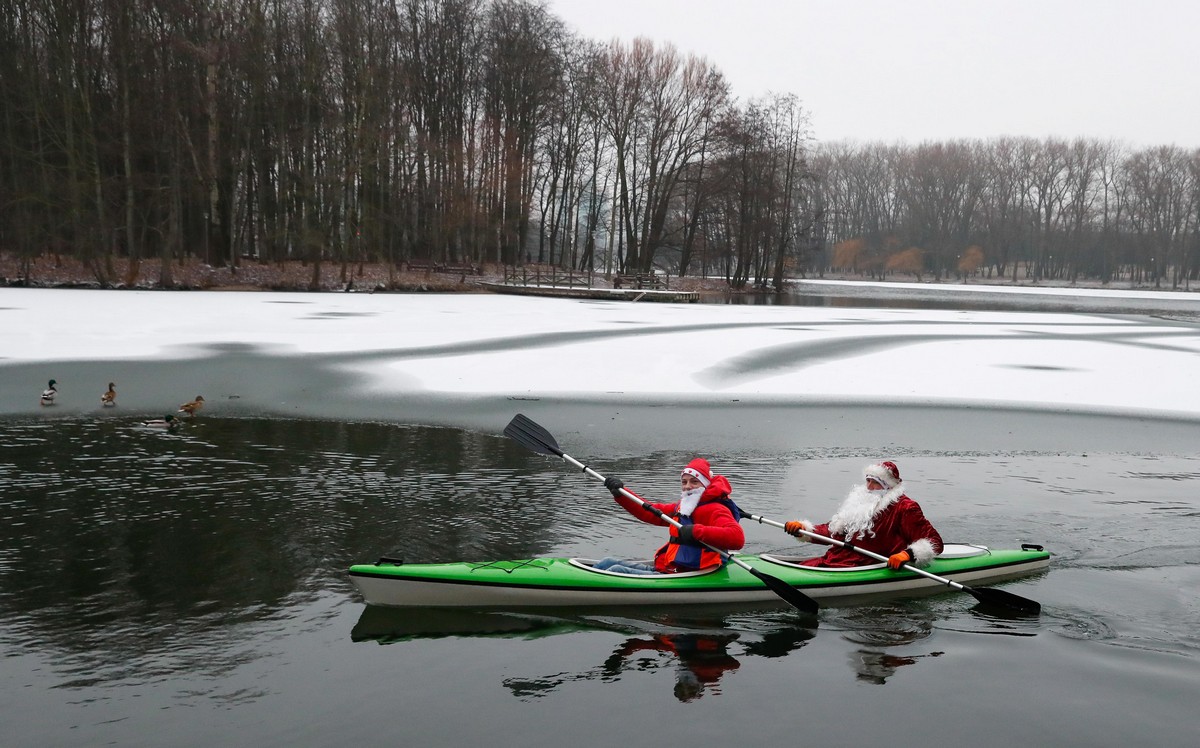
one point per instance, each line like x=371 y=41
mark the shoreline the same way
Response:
x=296 y=276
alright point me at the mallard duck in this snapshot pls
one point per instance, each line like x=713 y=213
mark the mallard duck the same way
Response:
x=109 y=399
x=49 y=393
x=166 y=422
x=192 y=407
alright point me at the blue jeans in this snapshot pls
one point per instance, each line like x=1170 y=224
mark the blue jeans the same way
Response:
x=620 y=566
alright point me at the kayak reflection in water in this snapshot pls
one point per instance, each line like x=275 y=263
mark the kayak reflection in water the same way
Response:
x=706 y=515
x=703 y=659
x=876 y=517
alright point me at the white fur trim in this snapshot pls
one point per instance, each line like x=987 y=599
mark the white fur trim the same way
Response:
x=922 y=551
x=808 y=526
x=881 y=474
x=697 y=475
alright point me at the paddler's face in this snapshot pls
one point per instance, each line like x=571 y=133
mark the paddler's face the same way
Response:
x=689 y=482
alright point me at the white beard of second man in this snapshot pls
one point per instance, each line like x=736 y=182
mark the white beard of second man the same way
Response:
x=855 y=518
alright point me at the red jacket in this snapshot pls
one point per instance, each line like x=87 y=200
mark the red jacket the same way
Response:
x=712 y=523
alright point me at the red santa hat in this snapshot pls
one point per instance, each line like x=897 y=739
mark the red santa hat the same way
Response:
x=886 y=473
x=700 y=470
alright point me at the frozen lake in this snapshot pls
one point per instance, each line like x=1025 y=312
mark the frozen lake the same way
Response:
x=464 y=360
x=189 y=588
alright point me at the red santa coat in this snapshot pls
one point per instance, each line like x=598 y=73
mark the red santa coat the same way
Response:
x=897 y=526
x=713 y=523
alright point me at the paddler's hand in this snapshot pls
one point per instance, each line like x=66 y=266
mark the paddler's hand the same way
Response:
x=614 y=485
x=795 y=526
x=896 y=560
x=685 y=534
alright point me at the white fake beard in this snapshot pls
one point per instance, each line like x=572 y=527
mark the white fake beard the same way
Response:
x=855 y=518
x=689 y=500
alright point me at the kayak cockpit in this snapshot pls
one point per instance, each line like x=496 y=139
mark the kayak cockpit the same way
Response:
x=950 y=550
x=588 y=564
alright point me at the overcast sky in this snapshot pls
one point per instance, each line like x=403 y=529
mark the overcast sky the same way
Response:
x=914 y=70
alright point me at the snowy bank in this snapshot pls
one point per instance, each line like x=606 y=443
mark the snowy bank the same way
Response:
x=419 y=357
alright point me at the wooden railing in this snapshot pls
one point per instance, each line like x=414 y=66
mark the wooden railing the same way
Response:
x=454 y=268
x=642 y=282
x=546 y=275
x=459 y=268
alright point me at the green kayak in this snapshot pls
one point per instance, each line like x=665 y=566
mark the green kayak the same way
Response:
x=557 y=582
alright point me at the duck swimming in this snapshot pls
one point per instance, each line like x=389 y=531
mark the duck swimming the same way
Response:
x=49 y=393
x=166 y=422
x=193 y=406
x=109 y=399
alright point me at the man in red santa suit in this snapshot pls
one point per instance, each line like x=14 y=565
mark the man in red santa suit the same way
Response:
x=708 y=519
x=876 y=517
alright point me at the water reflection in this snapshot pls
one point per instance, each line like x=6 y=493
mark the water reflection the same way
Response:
x=960 y=297
x=107 y=527
x=873 y=666
x=840 y=302
x=699 y=646
x=391 y=625
x=879 y=631
x=699 y=661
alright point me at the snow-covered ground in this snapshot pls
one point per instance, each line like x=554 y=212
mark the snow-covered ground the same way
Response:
x=358 y=355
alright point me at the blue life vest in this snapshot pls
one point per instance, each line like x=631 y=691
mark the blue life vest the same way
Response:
x=692 y=555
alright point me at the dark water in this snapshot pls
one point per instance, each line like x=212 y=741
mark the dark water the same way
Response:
x=954 y=295
x=190 y=589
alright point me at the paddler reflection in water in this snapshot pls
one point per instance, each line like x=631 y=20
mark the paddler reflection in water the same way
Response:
x=703 y=659
x=876 y=517
x=706 y=514
x=875 y=667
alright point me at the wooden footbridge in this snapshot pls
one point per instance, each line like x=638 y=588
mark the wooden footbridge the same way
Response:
x=548 y=280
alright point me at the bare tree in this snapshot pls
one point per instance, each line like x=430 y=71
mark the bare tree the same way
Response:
x=1158 y=204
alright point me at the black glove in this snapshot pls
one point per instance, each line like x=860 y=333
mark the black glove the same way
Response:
x=614 y=485
x=686 y=535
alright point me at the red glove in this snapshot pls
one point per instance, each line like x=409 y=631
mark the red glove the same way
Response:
x=794 y=527
x=897 y=559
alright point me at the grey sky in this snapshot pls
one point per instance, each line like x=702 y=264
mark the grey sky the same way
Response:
x=914 y=70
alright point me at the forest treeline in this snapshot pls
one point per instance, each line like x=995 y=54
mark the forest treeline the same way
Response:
x=1043 y=209
x=485 y=131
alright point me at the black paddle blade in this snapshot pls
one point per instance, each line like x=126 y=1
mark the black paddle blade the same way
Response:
x=795 y=597
x=530 y=435
x=1002 y=599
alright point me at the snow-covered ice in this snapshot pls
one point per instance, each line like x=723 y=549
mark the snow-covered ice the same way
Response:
x=164 y=347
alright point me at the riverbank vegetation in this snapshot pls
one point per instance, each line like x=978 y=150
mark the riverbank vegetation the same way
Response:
x=141 y=136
